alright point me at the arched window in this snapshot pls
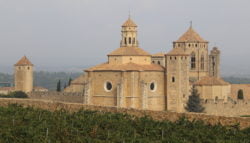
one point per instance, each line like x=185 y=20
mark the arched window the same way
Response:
x=129 y=40
x=125 y=40
x=159 y=62
x=193 y=61
x=202 y=62
x=240 y=94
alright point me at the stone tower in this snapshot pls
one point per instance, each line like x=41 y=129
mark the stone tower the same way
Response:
x=214 y=62
x=129 y=34
x=197 y=47
x=24 y=75
x=177 y=77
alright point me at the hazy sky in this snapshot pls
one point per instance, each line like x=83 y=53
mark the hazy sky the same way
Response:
x=70 y=33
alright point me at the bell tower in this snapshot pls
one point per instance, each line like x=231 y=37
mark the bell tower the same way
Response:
x=129 y=34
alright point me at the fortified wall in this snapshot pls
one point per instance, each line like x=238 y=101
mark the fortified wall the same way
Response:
x=70 y=97
x=231 y=108
x=156 y=115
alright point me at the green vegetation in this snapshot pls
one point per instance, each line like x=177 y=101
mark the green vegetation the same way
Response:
x=240 y=94
x=45 y=79
x=16 y=94
x=194 y=102
x=26 y=125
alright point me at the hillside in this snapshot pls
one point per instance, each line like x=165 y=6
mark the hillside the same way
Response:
x=50 y=79
x=20 y=124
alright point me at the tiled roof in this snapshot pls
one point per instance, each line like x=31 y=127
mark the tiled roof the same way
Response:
x=128 y=23
x=24 y=61
x=191 y=36
x=129 y=51
x=211 y=81
x=178 y=52
x=79 y=80
x=158 y=54
x=126 y=67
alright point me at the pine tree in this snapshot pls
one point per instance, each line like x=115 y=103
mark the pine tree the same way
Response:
x=69 y=83
x=58 y=88
x=194 y=102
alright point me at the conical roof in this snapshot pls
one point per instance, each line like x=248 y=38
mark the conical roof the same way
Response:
x=24 y=61
x=128 y=23
x=191 y=36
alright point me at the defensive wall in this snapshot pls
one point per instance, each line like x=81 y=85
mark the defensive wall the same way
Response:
x=157 y=115
x=231 y=108
x=58 y=96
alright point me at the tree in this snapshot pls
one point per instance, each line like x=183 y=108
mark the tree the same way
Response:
x=69 y=83
x=65 y=85
x=194 y=102
x=240 y=94
x=58 y=88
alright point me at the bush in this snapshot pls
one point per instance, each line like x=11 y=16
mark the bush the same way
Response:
x=16 y=94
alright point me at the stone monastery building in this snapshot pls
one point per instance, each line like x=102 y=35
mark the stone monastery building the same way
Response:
x=133 y=78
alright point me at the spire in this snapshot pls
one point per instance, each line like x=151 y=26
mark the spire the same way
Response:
x=191 y=24
x=129 y=23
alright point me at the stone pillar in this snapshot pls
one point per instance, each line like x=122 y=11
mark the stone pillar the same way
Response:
x=144 y=95
x=120 y=96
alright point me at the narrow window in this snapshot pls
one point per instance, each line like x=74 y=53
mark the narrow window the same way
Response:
x=202 y=62
x=129 y=40
x=125 y=40
x=193 y=61
x=159 y=62
x=133 y=40
x=173 y=79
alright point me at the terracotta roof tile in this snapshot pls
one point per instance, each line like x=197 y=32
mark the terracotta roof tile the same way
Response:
x=191 y=36
x=158 y=54
x=129 y=22
x=178 y=52
x=211 y=81
x=24 y=61
x=129 y=51
x=126 y=67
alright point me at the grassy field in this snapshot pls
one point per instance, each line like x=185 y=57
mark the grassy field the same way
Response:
x=28 y=125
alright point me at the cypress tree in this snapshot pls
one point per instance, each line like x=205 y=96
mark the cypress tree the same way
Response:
x=194 y=102
x=58 y=88
x=69 y=83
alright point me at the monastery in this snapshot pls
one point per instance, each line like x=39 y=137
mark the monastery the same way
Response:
x=133 y=78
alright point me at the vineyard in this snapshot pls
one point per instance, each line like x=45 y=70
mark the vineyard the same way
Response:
x=28 y=125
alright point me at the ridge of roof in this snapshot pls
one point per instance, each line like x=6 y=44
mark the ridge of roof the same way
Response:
x=24 y=61
x=129 y=51
x=126 y=67
x=209 y=80
x=191 y=36
x=128 y=23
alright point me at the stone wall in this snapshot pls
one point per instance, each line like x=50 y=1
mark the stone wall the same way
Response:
x=58 y=96
x=229 y=108
x=157 y=115
x=236 y=87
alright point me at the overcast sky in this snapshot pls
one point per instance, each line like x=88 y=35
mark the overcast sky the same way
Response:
x=75 y=33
